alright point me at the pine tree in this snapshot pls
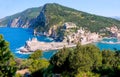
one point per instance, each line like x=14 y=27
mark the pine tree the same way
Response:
x=36 y=55
x=7 y=64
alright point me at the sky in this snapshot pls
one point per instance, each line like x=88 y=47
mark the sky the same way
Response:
x=106 y=8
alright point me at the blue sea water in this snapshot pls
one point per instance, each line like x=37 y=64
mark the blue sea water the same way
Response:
x=109 y=43
x=17 y=38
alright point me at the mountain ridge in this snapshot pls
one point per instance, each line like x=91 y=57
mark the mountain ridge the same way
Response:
x=26 y=14
x=116 y=17
x=52 y=14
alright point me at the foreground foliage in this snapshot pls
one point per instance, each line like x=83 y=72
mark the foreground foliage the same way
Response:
x=35 y=64
x=36 y=55
x=7 y=63
x=86 y=61
x=80 y=61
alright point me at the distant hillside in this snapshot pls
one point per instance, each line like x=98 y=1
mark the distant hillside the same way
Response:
x=116 y=17
x=21 y=19
x=49 y=15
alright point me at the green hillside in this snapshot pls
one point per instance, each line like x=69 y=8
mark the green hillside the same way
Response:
x=57 y=15
x=28 y=14
x=43 y=18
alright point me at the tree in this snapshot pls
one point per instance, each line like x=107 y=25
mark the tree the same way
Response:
x=36 y=55
x=59 y=60
x=117 y=55
x=95 y=55
x=38 y=67
x=7 y=63
x=108 y=58
x=110 y=63
x=36 y=64
x=74 y=60
x=117 y=63
x=85 y=58
x=79 y=60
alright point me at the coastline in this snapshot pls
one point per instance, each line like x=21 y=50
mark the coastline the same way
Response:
x=34 y=44
x=46 y=46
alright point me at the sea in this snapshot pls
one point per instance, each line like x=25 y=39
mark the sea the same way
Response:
x=110 y=43
x=18 y=36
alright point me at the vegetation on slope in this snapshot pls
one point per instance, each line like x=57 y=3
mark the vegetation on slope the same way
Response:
x=58 y=15
x=7 y=63
x=26 y=15
x=80 y=61
x=86 y=61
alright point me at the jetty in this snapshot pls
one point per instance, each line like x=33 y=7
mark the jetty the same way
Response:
x=33 y=44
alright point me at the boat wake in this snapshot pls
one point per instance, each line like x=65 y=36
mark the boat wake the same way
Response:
x=18 y=51
x=23 y=53
x=20 y=48
x=49 y=39
x=110 y=42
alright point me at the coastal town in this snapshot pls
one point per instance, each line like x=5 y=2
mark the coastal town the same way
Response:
x=82 y=36
x=70 y=40
x=114 y=31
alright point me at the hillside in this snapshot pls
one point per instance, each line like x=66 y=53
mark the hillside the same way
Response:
x=116 y=17
x=21 y=19
x=45 y=17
